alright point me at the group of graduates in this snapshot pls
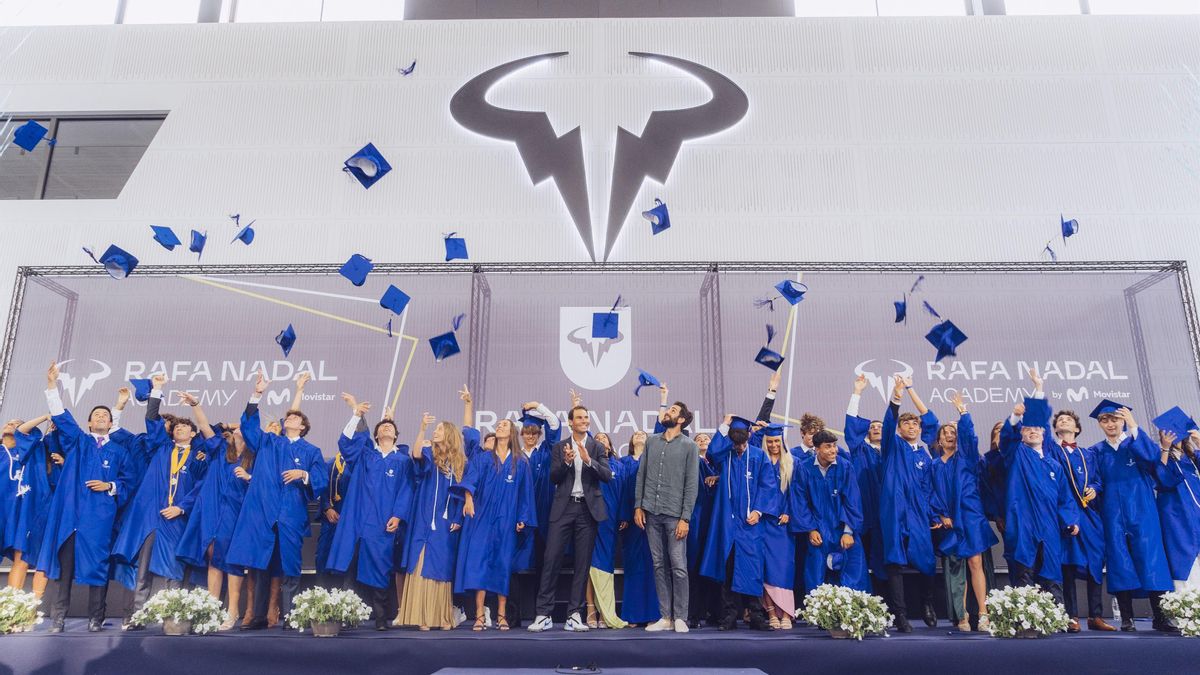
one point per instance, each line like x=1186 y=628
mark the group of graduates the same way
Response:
x=459 y=515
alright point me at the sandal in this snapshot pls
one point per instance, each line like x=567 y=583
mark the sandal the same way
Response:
x=774 y=623
x=502 y=623
x=480 y=624
x=593 y=619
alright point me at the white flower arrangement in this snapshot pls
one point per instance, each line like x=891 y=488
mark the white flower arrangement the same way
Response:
x=319 y=605
x=176 y=604
x=835 y=608
x=1184 y=608
x=1026 y=608
x=18 y=610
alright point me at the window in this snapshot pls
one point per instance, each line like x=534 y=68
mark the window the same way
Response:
x=363 y=10
x=1025 y=7
x=1144 y=6
x=59 y=13
x=92 y=158
x=835 y=8
x=922 y=8
x=262 y=11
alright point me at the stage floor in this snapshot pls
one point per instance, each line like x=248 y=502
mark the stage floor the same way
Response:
x=925 y=651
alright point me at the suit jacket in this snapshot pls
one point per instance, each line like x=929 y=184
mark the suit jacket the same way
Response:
x=562 y=477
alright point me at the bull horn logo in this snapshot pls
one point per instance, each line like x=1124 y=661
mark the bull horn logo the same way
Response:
x=547 y=155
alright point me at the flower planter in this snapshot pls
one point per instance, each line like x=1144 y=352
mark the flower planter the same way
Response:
x=326 y=628
x=172 y=627
x=1029 y=634
x=839 y=634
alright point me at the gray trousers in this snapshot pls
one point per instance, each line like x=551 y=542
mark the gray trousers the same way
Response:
x=670 y=566
x=145 y=578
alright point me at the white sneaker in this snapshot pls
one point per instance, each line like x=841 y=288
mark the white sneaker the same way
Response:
x=681 y=626
x=540 y=624
x=660 y=625
x=575 y=624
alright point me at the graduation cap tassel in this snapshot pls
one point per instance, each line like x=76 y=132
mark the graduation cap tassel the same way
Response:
x=770 y=333
x=916 y=284
x=759 y=303
x=929 y=308
x=458 y=321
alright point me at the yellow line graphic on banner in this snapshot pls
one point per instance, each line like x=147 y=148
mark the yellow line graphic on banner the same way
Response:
x=319 y=313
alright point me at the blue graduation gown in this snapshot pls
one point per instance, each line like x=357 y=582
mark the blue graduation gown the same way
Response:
x=334 y=497
x=748 y=483
x=1085 y=551
x=142 y=517
x=213 y=517
x=271 y=510
x=1040 y=505
x=906 y=504
x=1179 y=512
x=639 y=598
x=40 y=475
x=503 y=495
x=1134 y=553
x=957 y=483
x=532 y=540
x=433 y=507
x=77 y=509
x=828 y=503
x=12 y=493
x=993 y=485
x=377 y=485
x=701 y=521
x=779 y=547
x=604 y=550
x=867 y=461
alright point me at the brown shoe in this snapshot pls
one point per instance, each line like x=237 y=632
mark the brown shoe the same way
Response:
x=1101 y=625
x=1073 y=627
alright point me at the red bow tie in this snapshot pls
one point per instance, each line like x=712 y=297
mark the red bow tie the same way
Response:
x=1073 y=446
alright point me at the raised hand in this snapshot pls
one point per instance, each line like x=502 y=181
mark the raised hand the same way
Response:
x=189 y=398
x=389 y=413
x=576 y=399
x=350 y=400
x=122 y=397
x=157 y=380
x=897 y=387
x=1166 y=439
x=426 y=420
x=957 y=400
x=1035 y=378
x=52 y=375
x=303 y=379
x=260 y=384
x=361 y=409
x=1127 y=415
x=1019 y=410
x=663 y=392
x=860 y=384
x=530 y=405
x=464 y=394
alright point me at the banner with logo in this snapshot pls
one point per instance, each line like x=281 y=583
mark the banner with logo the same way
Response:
x=1092 y=333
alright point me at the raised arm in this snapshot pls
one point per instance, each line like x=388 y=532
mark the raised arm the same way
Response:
x=468 y=407
x=301 y=380
x=123 y=394
x=206 y=430
x=252 y=434
x=888 y=441
x=768 y=404
x=352 y=442
x=28 y=426
x=68 y=428
x=418 y=447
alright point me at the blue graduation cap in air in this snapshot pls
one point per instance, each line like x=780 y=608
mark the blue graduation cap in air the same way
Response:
x=394 y=299
x=456 y=247
x=901 y=309
x=286 y=339
x=791 y=290
x=166 y=237
x=606 y=324
x=1069 y=227
x=118 y=262
x=356 y=269
x=767 y=356
x=658 y=216
x=446 y=344
x=246 y=234
x=409 y=70
x=1037 y=413
x=946 y=337
x=28 y=135
x=1175 y=421
x=198 y=241
x=367 y=165
x=141 y=388
x=645 y=380
x=1106 y=407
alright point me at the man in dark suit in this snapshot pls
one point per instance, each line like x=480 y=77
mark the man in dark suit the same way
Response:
x=577 y=467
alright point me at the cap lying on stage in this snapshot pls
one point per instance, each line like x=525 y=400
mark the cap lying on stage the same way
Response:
x=456 y=247
x=1175 y=421
x=645 y=380
x=356 y=269
x=166 y=237
x=141 y=388
x=367 y=165
x=946 y=337
x=286 y=338
x=198 y=241
x=1037 y=413
x=394 y=299
x=1106 y=407
x=791 y=290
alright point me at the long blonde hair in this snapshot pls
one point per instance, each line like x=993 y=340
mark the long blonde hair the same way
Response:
x=786 y=466
x=448 y=456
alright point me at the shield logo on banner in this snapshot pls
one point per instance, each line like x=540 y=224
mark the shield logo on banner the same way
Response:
x=593 y=363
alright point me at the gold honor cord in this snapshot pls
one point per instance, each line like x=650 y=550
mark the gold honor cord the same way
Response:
x=335 y=472
x=1071 y=473
x=178 y=459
